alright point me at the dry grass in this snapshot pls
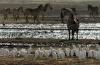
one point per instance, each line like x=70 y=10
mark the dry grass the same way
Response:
x=30 y=61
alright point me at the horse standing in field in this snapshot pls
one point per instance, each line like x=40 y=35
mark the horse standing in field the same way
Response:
x=93 y=10
x=72 y=22
x=16 y=12
x=63 y=13
x=33 y=12
x=45 y=8
x=5 y=12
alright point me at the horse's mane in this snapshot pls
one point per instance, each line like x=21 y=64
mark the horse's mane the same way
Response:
x=40 y=6
x=46 y=6
x=67 y=10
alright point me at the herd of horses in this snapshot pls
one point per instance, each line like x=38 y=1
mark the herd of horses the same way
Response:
x=72 y=22
x=28 y=12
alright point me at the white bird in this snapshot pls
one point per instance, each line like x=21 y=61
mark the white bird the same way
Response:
x=14 y=52
x=72 y=52
x=23 y=52
x=4 y=52
x=60 y=53
x=39 y=52
x=47 y=53
x=54 y=55
x=82 y=54
x=29 y=51
x=67 y=52
x=76 y=51
x=90 y=53
x=97 y=54
x=36 y=53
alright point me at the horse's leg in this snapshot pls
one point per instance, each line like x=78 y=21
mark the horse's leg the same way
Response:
x=26 y=17
x=73 y=34
x=7 y=16
x=17 y=16
x=69 y=33
x=90 y=14
x=3 y=23
x=77 y=34
x=62 y=19
x=14 y=17
x=93 y=18
x=42 y=17
x=38 y=19
x=35 y=18
x=4 y=17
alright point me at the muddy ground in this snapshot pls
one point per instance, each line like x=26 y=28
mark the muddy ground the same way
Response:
x=49 y=41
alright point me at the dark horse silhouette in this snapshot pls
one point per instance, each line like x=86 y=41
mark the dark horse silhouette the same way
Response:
x=33 y=12
x=5 y=12
x=40 y=10
x=72 y=22
x=93 y=10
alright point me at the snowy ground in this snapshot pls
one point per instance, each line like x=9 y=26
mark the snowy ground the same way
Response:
x=25 y=31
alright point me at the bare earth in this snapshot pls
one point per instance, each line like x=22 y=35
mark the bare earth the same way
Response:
x=47 y=61
x=55 y=41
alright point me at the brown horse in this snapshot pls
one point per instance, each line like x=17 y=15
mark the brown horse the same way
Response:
x=33 y=12
x=72 y=22
x=5 y=12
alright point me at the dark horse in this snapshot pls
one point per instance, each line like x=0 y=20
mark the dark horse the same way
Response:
x=72 y=23
x=5 y=12
x=16 y=12
x=63 y=13
x=93 y=10
x=33 y=12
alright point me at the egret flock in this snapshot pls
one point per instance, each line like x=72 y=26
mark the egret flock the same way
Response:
x=78 y=51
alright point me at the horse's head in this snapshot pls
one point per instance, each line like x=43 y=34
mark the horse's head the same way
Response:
x=48 y=5
x=67 y=11
x=40 y=6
